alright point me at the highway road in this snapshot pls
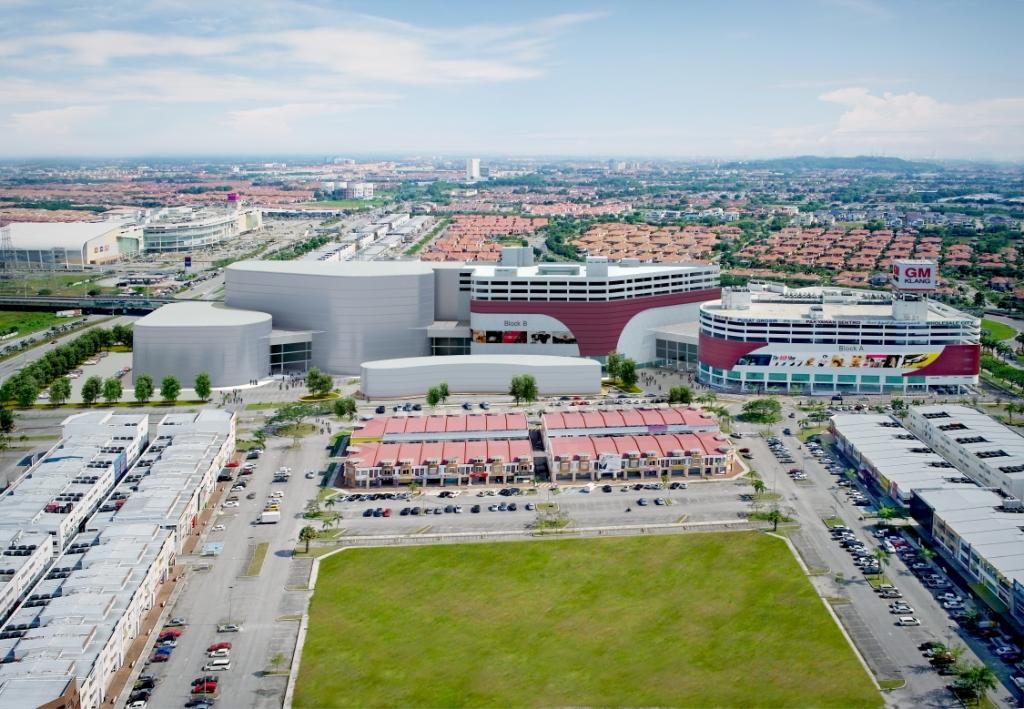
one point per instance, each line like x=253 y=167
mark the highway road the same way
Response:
x=10 y=366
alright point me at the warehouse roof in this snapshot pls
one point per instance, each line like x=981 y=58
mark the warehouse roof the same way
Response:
x=510 y=359
x=335 y=268
x=60 y=235
x=201 y=314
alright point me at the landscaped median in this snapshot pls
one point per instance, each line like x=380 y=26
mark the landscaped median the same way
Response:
x=697 y=620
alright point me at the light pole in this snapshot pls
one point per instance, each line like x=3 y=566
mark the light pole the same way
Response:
x=231 y=613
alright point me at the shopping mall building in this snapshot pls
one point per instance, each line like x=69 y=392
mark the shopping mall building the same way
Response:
x=822 y=340
x=288 y=316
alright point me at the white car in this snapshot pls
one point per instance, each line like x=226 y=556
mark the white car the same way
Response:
x=277 y=493
x=898 y=608
x=907 y=620
x=218 y=528
x=230 y=503
x=140 y=704
x=223 y=652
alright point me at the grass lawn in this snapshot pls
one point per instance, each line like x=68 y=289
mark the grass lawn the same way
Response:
x=28 y=322
x=998 y=330
x=702 y=620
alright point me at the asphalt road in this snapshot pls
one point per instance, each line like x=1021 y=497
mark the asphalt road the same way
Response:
x=10 y=366
x=820 y=497
x=265 y=607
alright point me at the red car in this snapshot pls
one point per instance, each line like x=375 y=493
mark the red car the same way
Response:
x=170 y=631
x=157 y=657
x=219 y=646
x=205 y=688
x=232 y=464
x=387 y=512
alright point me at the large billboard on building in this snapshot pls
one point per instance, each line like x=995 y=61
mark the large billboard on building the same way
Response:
x=915 y=274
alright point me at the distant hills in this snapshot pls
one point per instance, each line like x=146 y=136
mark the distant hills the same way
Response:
x=814 y=162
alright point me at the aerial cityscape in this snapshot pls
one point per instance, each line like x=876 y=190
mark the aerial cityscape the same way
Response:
x=423 y=355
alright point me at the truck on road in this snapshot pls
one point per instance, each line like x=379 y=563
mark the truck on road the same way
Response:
x=269 y=517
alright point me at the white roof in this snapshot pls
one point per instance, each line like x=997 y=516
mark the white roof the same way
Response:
x=997 y=437
x=896 y=454
x=777 y=309
x=198 y=314
x=490 y=270
x=335 y=268
x=497 y=359
x=61 y=235
x=973 y=515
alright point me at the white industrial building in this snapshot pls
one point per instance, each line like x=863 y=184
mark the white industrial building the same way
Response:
x=983 y=539
x=70 y=245
x=983 y=448
x=73 y=629
x=892 y=457
x=479 y=374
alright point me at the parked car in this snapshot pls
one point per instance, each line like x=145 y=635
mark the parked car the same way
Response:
x=229 y=628
x=907 y=620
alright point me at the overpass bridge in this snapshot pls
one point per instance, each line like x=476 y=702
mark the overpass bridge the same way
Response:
x=108 y=305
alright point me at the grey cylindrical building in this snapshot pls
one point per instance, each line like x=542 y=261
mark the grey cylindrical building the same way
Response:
x=357 y=310
x=184 y=339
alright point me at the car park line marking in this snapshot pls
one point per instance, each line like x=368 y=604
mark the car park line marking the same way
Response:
x=424 y=530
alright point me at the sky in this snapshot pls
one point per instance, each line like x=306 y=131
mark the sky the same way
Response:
x=599 y=78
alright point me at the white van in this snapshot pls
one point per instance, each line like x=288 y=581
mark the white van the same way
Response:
x=216 y=665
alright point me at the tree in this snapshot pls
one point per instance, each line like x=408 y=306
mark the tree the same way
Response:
x=775 y=516
x=766 y=411
x=203 y=386
x=260 y=437
x=627 y=373
x=60 y=391
x=144 y=388
x=979 y=299
x=319 y=384
x=758 y=485
x=1011 y=409
x=442 y=389
x=886 y=513
x=1019 y=338
x=345 y=408
x=91 y=390
x=523 y=388
x=612 y=364
x=170 y=387
x=883 y=558
x=7 y=422
x=112 y=390
x=433 y=396
x=707 y=398
x=307 y=534
x=680 y=395
x=976 y=680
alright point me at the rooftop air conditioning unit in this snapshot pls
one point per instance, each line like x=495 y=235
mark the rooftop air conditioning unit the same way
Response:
x=1012 y=504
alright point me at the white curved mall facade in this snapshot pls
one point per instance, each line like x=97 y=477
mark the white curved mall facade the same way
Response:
x=184 y=339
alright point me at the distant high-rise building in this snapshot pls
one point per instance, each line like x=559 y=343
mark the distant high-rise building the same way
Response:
x=473 y=169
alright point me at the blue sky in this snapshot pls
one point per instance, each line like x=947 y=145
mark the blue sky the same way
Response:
x=647 y=78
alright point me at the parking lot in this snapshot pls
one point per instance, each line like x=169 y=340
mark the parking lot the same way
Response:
x=891 y=649
x=490 y=511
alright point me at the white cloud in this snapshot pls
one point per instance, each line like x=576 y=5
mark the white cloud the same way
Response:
x=54 y=121
x=275 y=121
x=100 y=47
x=908 y=124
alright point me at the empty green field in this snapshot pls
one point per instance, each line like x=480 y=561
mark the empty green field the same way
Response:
x=702 y=620
x=28 y=322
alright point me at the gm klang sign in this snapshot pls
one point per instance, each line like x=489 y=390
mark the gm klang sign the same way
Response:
x=914 y=274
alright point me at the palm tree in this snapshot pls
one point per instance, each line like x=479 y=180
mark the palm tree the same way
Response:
x=330 y=502
x=926 y=554
x=307 y=534
x=886 y=513
x=977 y=681
x=883 y=558
x=707 y=398
x=775 y=516
x=758 y=485
x=1020 y=341
x=1011 y=409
